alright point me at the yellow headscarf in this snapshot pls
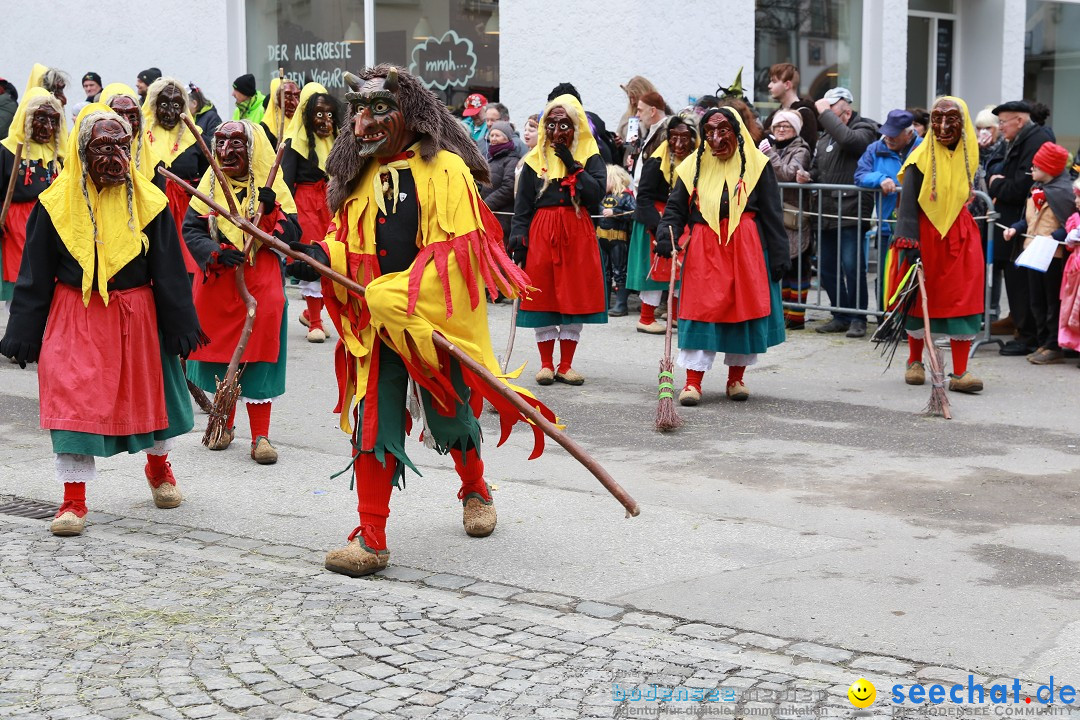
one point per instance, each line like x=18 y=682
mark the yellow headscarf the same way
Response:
x=542 y=158
x=31 y=101
x=272 y=117
x=717 y=176
x=667 y=160
x=947 y=174
x=37 y=75
x=261 y=160
x=297 y=135
x=138 y=150
x=164 y=145
x=109 y=238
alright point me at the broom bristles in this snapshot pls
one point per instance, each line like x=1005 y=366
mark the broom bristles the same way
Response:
x=938 y=398
x=224 y=402
x=667 y=417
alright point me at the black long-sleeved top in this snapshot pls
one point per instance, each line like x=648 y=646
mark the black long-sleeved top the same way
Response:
x=764 y=201
x=40 y=177
x=47 y=261
x=298 y=169
x=202 y=247
x=591 y=188
x=652 y=188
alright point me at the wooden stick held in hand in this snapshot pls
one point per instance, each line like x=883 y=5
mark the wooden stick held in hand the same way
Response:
x=10 y=193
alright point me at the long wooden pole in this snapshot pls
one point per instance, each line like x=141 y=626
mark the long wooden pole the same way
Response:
x=534 y=416
x=10 y=193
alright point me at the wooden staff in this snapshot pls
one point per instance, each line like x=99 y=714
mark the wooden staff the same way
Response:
x=11 y=185
x=442 y=343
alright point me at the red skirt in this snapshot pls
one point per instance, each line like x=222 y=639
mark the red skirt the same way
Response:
x=954 y=266
x=178 y=207
x=14 y=239
x=660 y=267
x=222 y=312
x=724 y=282
x=113 y=384
x=564 y=263
x=312 y=211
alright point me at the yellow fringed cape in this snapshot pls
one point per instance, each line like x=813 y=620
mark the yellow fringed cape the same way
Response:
x=947 y=174
x=105 y=242
x=716 y=177
x=460 y=256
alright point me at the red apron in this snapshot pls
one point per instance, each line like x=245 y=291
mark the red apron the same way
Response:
x=724 y=282
x=222 y=312
x=14 y=239
x=564 y=263
x=312 y=211
x=100 y=367
x=178 y=206
x=659 y=267
x=954 y=267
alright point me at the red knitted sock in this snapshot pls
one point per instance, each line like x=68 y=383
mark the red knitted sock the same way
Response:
x=694 y=378
x=374 y=482
x=915 y=349
x=158 y=470
x=74 y=499
x=259 y=419
x=960 y=351
x=470 y=468
x=735 y=374
x=547 y=354
x=314 y=312
x=566 y=354
x=231 y=422
x=648 y=314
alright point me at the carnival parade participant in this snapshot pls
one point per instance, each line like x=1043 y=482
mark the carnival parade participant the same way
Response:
x=409 y=224
x=735 y=257
x=934 y=223
x=552 y=236
x=245 y=157
x=646 y=272
x=273 y=122
x=102 y=272
x=123 y=100
x=38 y=124
x=310 y=135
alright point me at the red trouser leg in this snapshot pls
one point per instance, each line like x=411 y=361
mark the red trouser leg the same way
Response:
x=567 y=348
x=915 y=349
x=314 y=312
x=470 y=468
x=694 y=379
x=158 y=470
x=547 y=354
x=648 y=314
x=74 y=499
x=259 y=420
x=735 y=374
x=374 y=481
x=960 y=351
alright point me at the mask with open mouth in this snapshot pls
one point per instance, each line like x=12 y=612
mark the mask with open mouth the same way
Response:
x=231 y=148
x=378 y=124
x=108 y=154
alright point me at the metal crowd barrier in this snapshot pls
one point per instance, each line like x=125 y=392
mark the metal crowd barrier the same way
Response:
x=872 y=237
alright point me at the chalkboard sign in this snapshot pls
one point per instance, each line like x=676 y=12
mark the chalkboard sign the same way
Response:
x=446 y=62
x=944 y=57
x=307 y=57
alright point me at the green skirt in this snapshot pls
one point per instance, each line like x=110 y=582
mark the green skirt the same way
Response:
x=258 y=380
x=539 y=319
x=7 y=289
x=177 y=404
x=640 y=260
x=963 y=325
x=743 y=338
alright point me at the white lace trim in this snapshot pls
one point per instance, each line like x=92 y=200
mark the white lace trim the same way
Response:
x=310 y=288
x=737 y=360
x=75 y=468
x=570 y=332
x=249 y=401
x=700 y=360
x=161 y=447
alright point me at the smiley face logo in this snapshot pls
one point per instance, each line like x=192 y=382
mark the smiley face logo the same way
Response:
x=862 y=693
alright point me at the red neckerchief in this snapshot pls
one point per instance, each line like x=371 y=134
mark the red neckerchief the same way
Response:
x=570 y=181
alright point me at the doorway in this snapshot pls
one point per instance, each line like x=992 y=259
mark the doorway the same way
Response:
x=931 y=51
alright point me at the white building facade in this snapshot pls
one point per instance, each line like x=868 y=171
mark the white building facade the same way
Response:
x=890 y=53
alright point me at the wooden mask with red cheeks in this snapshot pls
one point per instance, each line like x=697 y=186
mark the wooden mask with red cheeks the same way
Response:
x=108 y=153
x=680 y=140
x=947 y=122
x=231 y=148
x=720 y=136
x=289 y=92
x=558 y=127
x=128 y=109
x=378 y=124
x=43 y=124
x=170 y=103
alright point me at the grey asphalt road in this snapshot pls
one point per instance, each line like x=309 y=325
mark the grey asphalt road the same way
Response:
x=826 y=508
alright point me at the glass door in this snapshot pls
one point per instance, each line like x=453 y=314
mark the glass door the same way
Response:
x=931 y=51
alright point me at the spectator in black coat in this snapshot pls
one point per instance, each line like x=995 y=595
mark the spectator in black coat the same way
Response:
x=503 y=158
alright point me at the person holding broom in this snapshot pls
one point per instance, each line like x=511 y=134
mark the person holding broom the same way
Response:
x=245 y=157
x=409 y=224
x=103 y=304
x=736 y=255
x=933 y=222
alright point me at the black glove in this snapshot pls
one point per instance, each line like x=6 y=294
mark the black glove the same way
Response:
x=518 y=247
x=22 y=352
x=230 y=257
x=664 y=247
x=563 y=153
x=776 y=274
x=184 y=345
x=268 y=198
x=300 y=269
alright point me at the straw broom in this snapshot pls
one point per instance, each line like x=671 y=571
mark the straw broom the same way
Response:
x=667 y=417
x=939 y=400
x=534 y=416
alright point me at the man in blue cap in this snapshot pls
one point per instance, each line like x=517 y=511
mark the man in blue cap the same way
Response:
x=879 y=166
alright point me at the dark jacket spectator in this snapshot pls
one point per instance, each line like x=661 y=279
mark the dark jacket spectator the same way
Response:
x=835 y=161
x=8 y=105
x=502 y=159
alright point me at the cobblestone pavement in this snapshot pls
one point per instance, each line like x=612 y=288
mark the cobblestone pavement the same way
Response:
x=140 y=619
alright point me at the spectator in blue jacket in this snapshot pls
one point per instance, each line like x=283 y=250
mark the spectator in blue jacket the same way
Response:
x=881 y=162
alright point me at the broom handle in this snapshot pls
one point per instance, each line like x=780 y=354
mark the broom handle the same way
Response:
x=671 y=292
x=10 y=193
x=534 y=415
x=935 y=361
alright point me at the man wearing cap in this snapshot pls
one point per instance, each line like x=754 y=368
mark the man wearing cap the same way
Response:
x=1009 y=189
x=475 y=121
x=841 y=251
x=144 y=80
x=91 y=85
x=880 y=164
x=249 y=101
